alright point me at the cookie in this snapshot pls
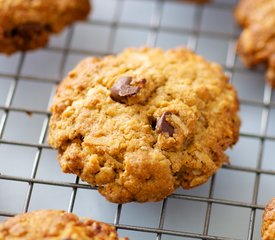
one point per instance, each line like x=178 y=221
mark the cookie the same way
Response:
x=257 y=41
x=140 y=124
x=268 y=225
x=27 y=25
x=55 y=225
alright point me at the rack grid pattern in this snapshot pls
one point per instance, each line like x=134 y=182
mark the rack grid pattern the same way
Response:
x=27 y=87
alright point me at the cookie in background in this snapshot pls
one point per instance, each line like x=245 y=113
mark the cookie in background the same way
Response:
x=268 y=225
x=27 y=25
x=256 y=44
x=55 y=225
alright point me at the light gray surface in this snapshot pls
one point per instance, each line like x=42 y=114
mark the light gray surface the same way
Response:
x=176 y=26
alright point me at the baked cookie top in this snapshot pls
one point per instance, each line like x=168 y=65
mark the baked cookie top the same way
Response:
x=26 y=24
x=55 y=225
x=257 y=41
x=268 y=225
x=140 y=124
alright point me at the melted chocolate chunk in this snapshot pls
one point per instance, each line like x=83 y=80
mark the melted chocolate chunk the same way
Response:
x=28 y=30
x=164 y=126
x=122 y=89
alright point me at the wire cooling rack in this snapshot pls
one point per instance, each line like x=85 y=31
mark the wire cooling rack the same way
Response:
x=229 y=206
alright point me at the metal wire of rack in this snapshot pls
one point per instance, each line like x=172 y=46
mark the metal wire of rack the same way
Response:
x=14 y=72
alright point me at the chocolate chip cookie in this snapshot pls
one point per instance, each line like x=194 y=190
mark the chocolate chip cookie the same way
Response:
x=268 y=225
x=140 y=124
x=55 y=225
x=27 y=24
x=257 y=41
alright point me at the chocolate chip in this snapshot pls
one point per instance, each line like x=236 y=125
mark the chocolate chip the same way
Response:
x=27 y=31
x=122 y=89
x=48 y=27
x=153 y=122
x=164 y=126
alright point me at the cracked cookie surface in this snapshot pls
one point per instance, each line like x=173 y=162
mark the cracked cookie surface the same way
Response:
x=257 y=41
x=55 y=225
x=140 y=124
x=268 y=224
x=27 y=24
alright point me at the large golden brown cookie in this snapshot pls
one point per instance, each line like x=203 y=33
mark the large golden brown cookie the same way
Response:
x=27 y=24
x=55 y=225
x=140 y=124
x=268 y=225
x=257 y=41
